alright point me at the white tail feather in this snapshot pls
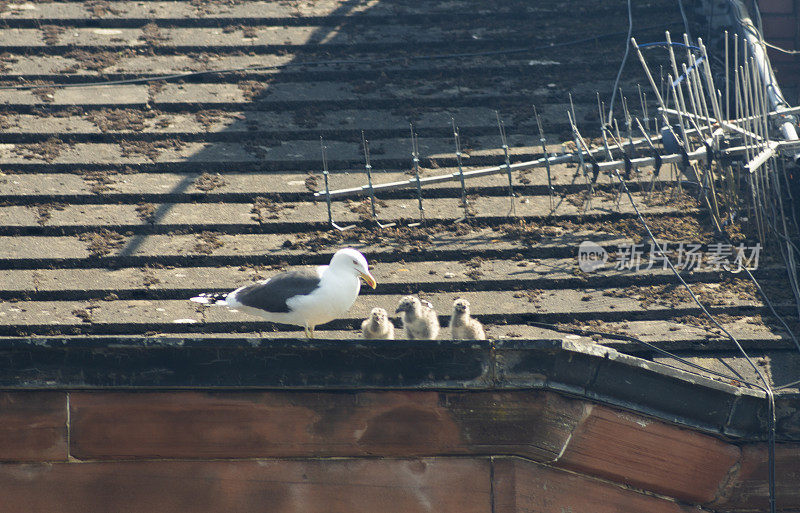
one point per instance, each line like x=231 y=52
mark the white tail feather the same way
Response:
x=208 y=298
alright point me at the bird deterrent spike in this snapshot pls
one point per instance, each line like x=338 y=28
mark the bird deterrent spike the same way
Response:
x=457 y=140
x=693 y=100
x=580 y=144
x=502 y=128
x=415 y=163
x=543 y=142
x=581 y=163
x=368 y=169
x=655 y=153
x=727 y=82
x=325 y=174
x=618 y=140
x=628 y=122
x=643 y=103
x=601 y=107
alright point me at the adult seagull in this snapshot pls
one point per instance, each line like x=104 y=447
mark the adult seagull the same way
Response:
x=302 y=298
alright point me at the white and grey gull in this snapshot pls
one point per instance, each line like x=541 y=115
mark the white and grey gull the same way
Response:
x=302 y=298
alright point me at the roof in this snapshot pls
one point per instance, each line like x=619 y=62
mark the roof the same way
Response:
x=120 y=202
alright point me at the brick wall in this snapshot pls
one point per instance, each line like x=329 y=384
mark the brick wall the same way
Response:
x=403 y=451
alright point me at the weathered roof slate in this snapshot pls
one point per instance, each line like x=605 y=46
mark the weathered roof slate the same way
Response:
x=120 y=202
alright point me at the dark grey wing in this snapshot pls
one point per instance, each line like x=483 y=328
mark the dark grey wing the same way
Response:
x=272 y=295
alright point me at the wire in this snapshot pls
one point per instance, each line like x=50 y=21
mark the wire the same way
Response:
x=757 y=11
x=767 y=388
x=768 y=392
x=683 y=282
x=177 y=76
x=771 y=420
x=622 y=64
x=685 y=21
x=628 y=338
x=782 y=50
x=787 y=385
x=771 y=307
x=786 y=239
x=708 y=24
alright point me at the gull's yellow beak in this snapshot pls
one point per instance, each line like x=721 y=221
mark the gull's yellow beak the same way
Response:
x=369 y=279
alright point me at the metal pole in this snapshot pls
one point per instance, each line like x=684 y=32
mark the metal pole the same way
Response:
x=503 y=139
x=368 y=169
x=643 y=103
x=415 y=163
x=327 y=189
x=579 y=142
x=727 y=83
x=460 y=170
x=543 y=142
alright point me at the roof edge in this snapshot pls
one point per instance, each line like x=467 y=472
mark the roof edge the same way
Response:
x=568 y=366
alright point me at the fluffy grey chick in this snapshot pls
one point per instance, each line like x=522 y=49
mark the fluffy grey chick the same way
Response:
x=378 y=326
x=462 y=326
x=419 y=321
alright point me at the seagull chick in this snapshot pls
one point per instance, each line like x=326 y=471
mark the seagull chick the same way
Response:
x=378 y=326
x=419 y=321
x=462 y=326
x=302 y=298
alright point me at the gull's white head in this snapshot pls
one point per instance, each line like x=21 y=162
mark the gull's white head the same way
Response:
x=349 y=259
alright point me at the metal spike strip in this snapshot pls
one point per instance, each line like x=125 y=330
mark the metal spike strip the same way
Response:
x=727 y=82
x=368 y=170
x=543 y=142
x=694 y=155
x=628 y=120
x=578 y=152
x=512 y=210
x=643 y=104
x=628 y=166
x=325 y=174
x=677 y=92
x=579 y=138
x=415 y=165
x=656 y=155
x=457 y=141
x=716 y=107
x=579 y=144
x=659 y=95
x=601 y=110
